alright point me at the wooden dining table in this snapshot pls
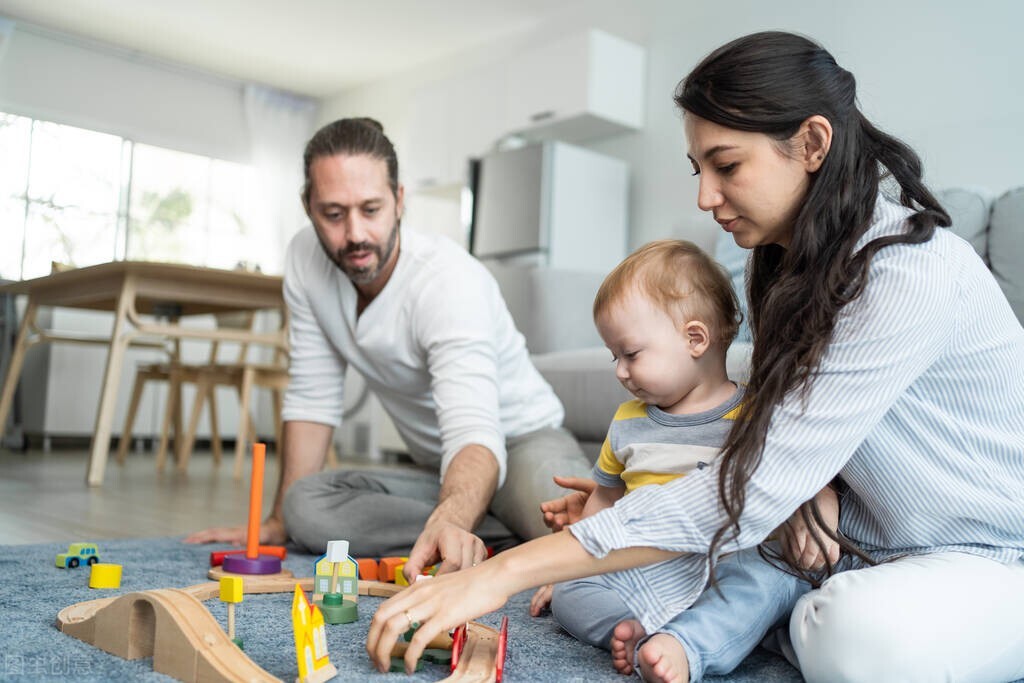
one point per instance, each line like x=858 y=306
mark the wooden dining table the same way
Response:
x=166 y=294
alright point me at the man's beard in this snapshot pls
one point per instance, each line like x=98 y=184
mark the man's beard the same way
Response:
x=365 y=275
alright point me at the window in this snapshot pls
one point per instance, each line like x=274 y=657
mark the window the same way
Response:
x=80 y=197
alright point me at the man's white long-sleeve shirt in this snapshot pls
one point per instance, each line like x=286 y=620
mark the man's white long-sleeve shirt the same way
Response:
x=437 y=346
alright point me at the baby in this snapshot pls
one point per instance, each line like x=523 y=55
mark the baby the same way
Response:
x=668 y=314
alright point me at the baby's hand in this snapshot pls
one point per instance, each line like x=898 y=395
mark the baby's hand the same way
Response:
x=541 y=599
x=561 y=512
x=798 y=544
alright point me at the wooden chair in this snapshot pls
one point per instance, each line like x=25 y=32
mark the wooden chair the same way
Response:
x=242 y=374
x=206 y=376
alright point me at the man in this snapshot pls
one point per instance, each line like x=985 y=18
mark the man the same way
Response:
x=426 y=326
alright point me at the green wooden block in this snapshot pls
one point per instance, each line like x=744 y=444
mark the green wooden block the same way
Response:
x=345 y=613
x=437 y=655
x=398 y=665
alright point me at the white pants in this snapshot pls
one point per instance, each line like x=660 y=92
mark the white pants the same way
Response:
x=928 y=619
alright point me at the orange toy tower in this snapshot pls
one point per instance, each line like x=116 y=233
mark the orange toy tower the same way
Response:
x=252 y=562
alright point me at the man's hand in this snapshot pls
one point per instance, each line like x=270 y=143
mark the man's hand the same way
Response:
x=798 y=544
x=541 y=599
x=452 y=545
x=272 y=532
x=466 y=491
x=568 y=509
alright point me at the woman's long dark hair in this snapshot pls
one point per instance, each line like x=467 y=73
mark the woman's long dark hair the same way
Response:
x=771 y=83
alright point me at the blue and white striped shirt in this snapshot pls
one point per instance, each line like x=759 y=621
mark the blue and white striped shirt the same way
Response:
x=918 y=403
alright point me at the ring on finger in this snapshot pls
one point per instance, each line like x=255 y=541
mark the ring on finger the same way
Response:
x=413 y=624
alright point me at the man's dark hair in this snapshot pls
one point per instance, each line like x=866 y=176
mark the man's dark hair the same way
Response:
x=355 y=136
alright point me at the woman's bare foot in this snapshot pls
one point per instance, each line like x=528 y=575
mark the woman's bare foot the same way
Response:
x=623 y=644
x=663 y=660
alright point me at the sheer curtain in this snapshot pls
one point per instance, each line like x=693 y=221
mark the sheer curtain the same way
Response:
x=279 y=126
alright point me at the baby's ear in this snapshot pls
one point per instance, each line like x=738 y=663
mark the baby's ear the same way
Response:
x=698 y=337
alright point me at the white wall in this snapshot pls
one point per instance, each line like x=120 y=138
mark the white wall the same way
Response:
x=943 y=76
x=57 y=78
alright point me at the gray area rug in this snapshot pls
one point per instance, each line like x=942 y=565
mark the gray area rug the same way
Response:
x=34 y=590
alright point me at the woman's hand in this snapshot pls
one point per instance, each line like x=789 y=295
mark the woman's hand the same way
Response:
x=446 y=601
x=798 y=544
x=437 y=605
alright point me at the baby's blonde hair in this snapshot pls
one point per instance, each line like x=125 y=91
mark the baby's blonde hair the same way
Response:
x=683 y=280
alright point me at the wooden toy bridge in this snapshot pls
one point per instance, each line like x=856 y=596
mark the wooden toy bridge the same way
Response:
x=185 y=641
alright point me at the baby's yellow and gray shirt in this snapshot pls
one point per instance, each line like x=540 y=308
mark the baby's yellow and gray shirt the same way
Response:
x=646 y=445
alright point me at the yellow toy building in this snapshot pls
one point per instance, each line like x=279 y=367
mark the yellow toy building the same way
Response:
x=310 y=641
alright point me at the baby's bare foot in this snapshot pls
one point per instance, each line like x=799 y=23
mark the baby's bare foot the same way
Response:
x=663 y=660
x=623 y=644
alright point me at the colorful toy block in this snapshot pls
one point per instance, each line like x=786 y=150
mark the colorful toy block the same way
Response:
x=400 y=579
x=398 y=665
x=337 y=610
x=386 y=568
x=367 y=569
x=232 y=591
x=105 y=575
x=437 y=656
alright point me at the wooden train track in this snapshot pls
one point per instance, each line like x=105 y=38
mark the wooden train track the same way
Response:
x=175 y=628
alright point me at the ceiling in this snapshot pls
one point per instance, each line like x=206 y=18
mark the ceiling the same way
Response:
x=310 y=47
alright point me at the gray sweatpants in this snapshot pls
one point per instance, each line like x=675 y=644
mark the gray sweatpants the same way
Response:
x=381 y=512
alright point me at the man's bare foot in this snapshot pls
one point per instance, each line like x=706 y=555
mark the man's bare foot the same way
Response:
x=663 y=660
x=623 y=644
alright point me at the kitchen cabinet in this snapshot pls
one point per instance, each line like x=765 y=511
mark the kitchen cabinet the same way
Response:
x=583 y=86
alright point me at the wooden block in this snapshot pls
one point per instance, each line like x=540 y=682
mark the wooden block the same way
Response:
x=337 y=551
x=386 y=569
x=105 y=576
x=231 y=589
x=400 y=579
x=367 y=569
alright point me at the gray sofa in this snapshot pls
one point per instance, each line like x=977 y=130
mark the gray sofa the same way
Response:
x=553 y=308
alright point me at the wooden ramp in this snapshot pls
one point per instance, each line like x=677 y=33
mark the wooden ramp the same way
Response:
x=185 y=641
x=172 y=627
x=478 y=656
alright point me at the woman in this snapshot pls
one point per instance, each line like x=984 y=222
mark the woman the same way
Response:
x=884 y=354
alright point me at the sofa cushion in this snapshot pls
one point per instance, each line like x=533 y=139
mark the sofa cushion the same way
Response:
x=584 y=380
x=1006 y=247
x=969 y=211
x=550 y=306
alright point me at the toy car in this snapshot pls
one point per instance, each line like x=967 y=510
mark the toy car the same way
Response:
x=78 y=553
